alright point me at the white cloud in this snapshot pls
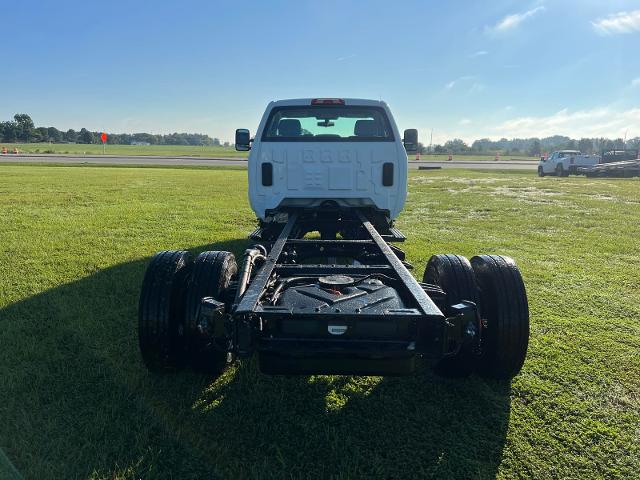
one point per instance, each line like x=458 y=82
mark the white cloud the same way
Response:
x=453 y=83
x=512 y=21
x=476 y=88
x=464 y=121
x=621 y=22
x=597 y=122
x=608 y=121
x=635 y=82
x=479 y=53
x=346 y=57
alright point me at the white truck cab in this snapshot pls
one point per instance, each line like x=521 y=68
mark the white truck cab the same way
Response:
x=310 y=151
x=564 y=162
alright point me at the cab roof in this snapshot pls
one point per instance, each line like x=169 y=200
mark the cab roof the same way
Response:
x=347 y=101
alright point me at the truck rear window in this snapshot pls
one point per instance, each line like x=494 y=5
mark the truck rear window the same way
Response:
x=332 y=123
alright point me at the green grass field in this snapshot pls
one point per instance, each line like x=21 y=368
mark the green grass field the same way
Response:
x=191 y=151
x=76 y=401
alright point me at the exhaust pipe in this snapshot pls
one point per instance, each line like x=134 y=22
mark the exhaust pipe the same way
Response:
x=251 y=256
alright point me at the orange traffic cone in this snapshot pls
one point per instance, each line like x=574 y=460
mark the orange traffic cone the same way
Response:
x=497 y=159
x=450 y=157
x=418 y=156
x=4 y=150
x=15 y=151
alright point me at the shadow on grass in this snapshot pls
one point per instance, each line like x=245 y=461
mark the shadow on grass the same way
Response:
x=78 y=403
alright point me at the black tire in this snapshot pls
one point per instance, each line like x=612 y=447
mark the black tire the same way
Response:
x=161 y=311
x=212 y=273
x=505 y=314
x=540 y=172
x=560 y=170
x=453 y=273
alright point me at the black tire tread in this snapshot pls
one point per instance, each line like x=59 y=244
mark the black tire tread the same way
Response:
x=503 y=303
x=160 y=310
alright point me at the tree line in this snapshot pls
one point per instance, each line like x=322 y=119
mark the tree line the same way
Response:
x=22 y=129
x=531 y=146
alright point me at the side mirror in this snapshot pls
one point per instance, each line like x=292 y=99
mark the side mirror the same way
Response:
x=243 y=140
x=410 y=140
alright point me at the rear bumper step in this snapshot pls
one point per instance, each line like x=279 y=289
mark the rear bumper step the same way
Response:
x=336 y=357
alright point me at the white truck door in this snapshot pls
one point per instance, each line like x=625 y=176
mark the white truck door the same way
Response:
x=550 y=164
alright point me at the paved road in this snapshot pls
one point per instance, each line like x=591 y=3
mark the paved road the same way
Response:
x=211 y=162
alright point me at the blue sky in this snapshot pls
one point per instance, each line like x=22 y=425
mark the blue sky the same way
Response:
x=462 y=68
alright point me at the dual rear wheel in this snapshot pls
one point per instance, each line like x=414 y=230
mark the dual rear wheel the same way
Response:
x=173 y=287
x=495 y=285
x=175 y=283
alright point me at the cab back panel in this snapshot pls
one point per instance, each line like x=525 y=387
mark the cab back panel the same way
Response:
x=307 y=173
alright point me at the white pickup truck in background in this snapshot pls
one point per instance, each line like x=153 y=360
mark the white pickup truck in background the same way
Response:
x=565 y=162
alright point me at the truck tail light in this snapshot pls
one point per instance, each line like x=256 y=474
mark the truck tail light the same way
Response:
x=327 y=101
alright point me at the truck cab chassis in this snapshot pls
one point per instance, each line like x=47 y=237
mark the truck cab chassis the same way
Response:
x=323 y=288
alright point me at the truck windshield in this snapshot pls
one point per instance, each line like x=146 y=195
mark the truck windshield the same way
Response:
x=342 y=123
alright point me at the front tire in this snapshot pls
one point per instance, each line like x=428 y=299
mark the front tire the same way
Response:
x=453 y=273
x=540 y=172
x=161 y=311
x=505 y=314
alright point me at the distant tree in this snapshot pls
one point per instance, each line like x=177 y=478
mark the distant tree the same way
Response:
x=535 y=148
x=71 y=136
x=146 y=137
x=54 y=135
x=39 y=134
x=24 y=126
x=85 y=136
x=9 y=131
x=634 y=143
x=456 y=146
x=481 y=145
x=438 y=149
x=606 y=144
x=226 y=144
x=585 y=145
x=216 y=142
x=44 y=133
